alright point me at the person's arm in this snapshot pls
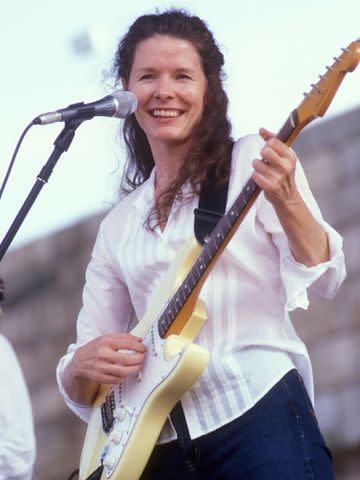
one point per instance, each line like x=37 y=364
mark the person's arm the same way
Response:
x=17 y=436
x=275 y=175
x=97 y=357
x=101 y=361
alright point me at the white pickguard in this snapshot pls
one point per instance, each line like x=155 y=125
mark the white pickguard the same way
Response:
x=131 y=395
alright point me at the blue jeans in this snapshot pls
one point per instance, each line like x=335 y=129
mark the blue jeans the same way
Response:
x=278 y=438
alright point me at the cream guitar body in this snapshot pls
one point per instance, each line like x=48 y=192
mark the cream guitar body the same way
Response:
x=126 y=419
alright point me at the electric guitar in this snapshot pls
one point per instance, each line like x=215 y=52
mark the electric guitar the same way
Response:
x=126 y=419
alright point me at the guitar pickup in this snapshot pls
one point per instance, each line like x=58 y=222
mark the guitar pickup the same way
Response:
x=107 y=413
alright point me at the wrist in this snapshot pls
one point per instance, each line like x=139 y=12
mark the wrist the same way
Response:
x=289 y=205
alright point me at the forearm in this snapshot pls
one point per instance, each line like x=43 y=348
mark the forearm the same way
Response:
x=80 y=389
x=307 y=239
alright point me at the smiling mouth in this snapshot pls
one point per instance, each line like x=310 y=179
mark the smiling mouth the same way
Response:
x=160 y=113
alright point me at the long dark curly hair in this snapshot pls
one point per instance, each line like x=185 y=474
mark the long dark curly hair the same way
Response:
x=211 y=139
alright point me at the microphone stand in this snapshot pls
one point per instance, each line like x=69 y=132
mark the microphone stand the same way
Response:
x=62 y=143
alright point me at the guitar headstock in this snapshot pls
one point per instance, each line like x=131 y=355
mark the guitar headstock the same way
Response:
x=317 y=101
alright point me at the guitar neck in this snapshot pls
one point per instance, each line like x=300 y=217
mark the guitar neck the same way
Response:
x=314 y=105
x=217 y=241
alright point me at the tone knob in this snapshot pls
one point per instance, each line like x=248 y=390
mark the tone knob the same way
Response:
x=115 y=437
x=109 y=461
x=119 y=413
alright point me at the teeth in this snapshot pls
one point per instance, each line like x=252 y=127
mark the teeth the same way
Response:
x=165 y=113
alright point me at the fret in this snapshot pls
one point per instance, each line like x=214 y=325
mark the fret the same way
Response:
x=193 y=278
x=289 y=126
x=213 y=245
x=207 y=254
x=228 y=220
x=182 y=295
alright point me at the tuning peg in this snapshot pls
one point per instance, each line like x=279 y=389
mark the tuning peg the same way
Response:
x=328 y=68
x=345 y=50
x=306 y=94
x=316 y=87
x=336 y=59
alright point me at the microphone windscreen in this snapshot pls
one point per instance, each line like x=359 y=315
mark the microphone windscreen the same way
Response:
x=127 y=102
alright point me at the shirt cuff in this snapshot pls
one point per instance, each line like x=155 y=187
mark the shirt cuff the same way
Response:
x=82 y=411
x=323 y=280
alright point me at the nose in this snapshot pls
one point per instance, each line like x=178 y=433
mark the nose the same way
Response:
x=164 y=88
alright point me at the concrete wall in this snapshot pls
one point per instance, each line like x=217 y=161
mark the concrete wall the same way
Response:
x=43 y=283
x=43 y=295
x=330 y=154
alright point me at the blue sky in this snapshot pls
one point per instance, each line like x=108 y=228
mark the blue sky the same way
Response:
x=273 y=51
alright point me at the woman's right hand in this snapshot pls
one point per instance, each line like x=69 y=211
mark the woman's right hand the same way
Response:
x=109 y=358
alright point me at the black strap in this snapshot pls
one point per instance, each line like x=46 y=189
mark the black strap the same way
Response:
x=212 y=205
x=178 y=421
x=96 y=475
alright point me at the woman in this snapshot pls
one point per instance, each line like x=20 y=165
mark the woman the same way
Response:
x=249 y=415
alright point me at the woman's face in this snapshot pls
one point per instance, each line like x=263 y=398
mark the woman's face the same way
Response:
x=168 y=80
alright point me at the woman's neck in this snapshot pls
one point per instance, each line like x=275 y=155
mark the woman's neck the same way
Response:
x=167 y=160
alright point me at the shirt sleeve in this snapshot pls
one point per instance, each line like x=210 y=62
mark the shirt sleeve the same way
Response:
x=17 y=437
x=322 y=280
x=107 y=308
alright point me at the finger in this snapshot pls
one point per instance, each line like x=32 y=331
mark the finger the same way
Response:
x=261 y=180
x=281 y=149
x=266 y=134
x=126 y=341
x=128 y=359
x=120 y=357
x=269 y=155
x=267 y=168
x=260 y=166
x=119 y=373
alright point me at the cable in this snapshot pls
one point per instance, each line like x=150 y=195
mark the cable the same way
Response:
x=12 y=161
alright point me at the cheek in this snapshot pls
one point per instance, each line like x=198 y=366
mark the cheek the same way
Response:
x=139 y=119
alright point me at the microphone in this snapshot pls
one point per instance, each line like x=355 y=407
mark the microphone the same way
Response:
x=119 y=103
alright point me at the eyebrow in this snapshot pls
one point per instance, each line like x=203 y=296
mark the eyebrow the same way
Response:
x=149 y=69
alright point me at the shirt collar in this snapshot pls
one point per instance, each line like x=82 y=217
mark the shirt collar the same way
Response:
x=144 y=200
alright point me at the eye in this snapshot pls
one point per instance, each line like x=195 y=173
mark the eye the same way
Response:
x=183 y=76
x=147 y=76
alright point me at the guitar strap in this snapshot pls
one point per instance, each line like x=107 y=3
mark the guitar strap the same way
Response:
x=212 y=205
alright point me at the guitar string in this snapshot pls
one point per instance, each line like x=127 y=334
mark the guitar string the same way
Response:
x=201 y=263
x=169 y=313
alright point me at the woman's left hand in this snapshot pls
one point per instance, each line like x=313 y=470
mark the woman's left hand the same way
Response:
x=275 y=173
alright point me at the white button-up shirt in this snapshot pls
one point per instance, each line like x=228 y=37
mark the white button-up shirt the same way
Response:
x=17 y=437
x=248 y=294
